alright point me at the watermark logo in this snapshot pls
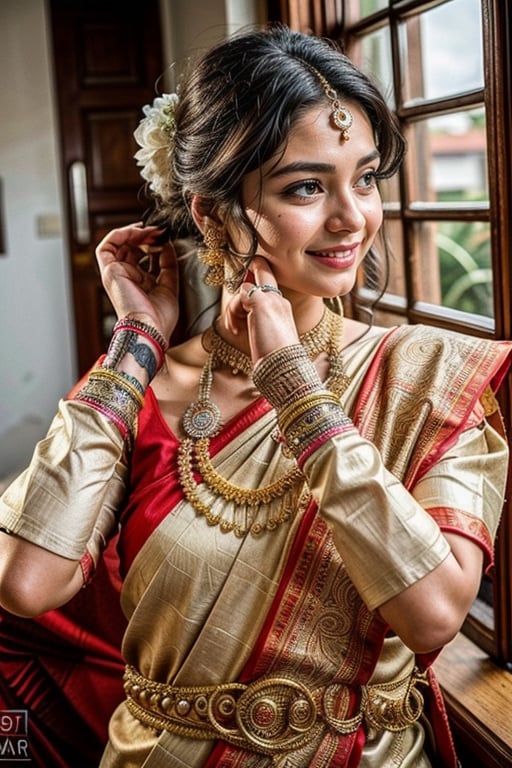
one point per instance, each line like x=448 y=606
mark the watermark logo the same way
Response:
x=14 y=736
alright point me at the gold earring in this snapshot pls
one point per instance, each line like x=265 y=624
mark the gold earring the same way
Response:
x=212 y=253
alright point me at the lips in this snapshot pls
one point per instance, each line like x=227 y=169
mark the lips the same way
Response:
x=337 y=258
x=329 y=254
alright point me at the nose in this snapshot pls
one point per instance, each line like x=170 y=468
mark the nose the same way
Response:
x=346 y=215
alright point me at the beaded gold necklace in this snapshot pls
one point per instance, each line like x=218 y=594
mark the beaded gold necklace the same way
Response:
x=324 y=337
x=201 y=421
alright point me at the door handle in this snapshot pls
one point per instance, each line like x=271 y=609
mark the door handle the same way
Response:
x=79 y=202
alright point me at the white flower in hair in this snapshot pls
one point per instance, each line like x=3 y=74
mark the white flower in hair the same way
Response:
x=155 y=135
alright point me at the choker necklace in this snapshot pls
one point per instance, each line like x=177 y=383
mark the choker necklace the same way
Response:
x=202 y=420
x=202 y=417
x=324 y=337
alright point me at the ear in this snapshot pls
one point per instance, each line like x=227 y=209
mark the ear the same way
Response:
x=204 y=213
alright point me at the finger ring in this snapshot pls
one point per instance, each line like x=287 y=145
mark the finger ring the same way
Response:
x=273 y=288
x=265 y=288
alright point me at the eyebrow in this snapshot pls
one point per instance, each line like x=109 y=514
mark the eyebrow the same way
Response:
x=301 y=166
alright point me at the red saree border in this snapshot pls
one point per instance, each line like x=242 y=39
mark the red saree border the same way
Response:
x=296 y=549
x=465 y=524
x=453 y=389
x=343 y=751
x=312 y=531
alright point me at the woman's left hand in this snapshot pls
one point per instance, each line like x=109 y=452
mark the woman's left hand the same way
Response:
x=261 y=310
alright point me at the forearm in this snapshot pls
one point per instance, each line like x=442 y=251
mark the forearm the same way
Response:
x=394 y=550
x=60 y=512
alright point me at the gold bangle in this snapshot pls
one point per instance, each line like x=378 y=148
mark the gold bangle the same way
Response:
x=120 y=378
x=115 y=398
x=291 y=412
x=285 y=373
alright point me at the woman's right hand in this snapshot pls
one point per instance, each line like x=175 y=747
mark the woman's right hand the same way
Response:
x=140 y=276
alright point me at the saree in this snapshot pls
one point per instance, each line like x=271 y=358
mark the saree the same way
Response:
x=207 y=609
x=64 y=670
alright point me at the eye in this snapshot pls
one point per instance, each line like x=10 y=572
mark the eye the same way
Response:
x=305 y=189
x=368 y=180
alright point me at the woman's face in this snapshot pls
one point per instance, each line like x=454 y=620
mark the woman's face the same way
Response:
x=317 y=210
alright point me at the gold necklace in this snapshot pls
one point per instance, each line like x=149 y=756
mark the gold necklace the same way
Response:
x=324 y=337
x=201 y=421
x=246 y=502
x=202 y=417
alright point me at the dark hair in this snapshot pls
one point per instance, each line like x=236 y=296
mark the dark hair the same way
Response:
x=236 y=109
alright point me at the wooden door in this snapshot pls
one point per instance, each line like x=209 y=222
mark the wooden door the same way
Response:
x=107 y=60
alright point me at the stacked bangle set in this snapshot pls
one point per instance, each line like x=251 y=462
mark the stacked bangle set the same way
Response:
x=116 y=394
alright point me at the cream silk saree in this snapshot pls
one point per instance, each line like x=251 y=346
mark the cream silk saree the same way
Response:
x=300 y=601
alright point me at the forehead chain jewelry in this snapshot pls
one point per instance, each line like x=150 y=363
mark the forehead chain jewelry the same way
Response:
x=340 y=115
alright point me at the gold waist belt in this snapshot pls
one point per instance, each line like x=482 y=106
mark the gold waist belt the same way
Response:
x=272 y=714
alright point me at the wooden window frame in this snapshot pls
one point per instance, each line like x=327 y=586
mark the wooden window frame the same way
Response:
x=494 y=96
x=331 y=18
x=475 y=669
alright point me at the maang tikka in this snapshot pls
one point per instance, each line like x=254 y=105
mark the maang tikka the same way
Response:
x=340 y=115
x=213 y=254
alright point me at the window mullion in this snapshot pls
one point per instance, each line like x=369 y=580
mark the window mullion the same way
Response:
x=498 y=65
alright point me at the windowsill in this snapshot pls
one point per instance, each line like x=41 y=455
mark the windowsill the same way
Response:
x=478 y=696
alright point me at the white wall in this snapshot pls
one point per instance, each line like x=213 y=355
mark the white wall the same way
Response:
x=190 y=26
x=37 y=355
x=36 y=348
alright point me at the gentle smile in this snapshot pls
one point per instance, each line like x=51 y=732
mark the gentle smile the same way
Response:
x=338 y=257
x=339 y=250
x=331 y=254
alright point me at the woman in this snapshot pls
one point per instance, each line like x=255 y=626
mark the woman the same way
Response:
x=305 y=505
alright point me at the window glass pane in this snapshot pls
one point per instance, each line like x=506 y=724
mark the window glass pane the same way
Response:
x=447 y=159
x=453 y=266
x=392 y=232
x=359 y=9
x=390 y=192
x=441 y=51
x=386 y=269
x=372 y=54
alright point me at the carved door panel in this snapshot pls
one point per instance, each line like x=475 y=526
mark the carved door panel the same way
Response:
x=107 y=59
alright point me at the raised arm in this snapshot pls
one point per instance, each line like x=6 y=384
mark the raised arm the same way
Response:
x=422 y=580
x=56 y=517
